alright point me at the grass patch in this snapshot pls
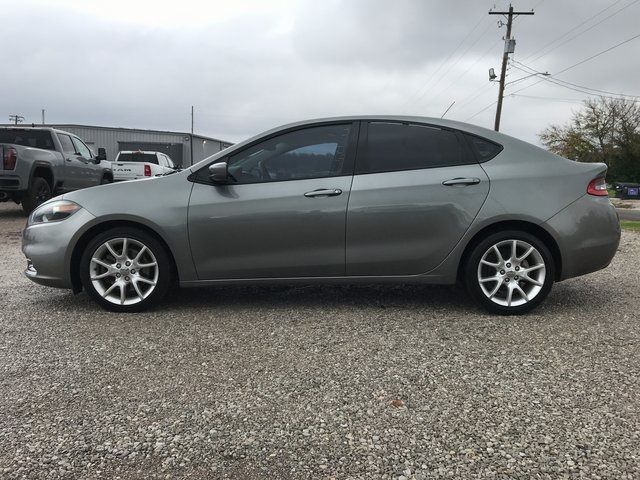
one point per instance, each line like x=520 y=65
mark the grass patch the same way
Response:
x=630 y=225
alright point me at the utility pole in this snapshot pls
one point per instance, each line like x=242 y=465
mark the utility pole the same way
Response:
x=509 y=46
x=191 y=119
x=43 y=116
x=16 y=119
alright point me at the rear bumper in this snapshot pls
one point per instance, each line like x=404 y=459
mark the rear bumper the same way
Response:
x=588 y=234
x=11 y=183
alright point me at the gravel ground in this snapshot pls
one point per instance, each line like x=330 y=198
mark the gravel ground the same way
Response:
x=322 y=382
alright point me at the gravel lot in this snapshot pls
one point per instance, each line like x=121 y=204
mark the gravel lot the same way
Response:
x=329 y=382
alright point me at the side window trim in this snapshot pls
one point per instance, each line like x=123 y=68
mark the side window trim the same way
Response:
x=348 y=168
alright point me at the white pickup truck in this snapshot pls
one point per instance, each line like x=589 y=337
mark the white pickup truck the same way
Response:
x=130 y=165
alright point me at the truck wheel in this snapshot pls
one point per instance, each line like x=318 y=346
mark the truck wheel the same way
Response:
x=38 y=193
x=106 y=179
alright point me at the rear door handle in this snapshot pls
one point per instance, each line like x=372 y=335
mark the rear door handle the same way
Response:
x=323 y=192
x=461 y=182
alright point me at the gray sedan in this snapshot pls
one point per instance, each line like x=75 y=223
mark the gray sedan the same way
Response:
x=357 y=199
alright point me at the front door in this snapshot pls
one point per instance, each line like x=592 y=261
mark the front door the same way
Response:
x=415 y=192
x=90 y=171
x=282 y=214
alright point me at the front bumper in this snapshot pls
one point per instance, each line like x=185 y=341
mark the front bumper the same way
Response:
x=48 y=248
x=588 y=234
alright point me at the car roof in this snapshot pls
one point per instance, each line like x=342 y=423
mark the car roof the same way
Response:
x=141 y=151
x=439 y=122
x=28 y=127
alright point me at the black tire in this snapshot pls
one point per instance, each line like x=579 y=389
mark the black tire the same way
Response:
x=105 y=180
x=38 y=193
x=472 y=283
x=158 y=250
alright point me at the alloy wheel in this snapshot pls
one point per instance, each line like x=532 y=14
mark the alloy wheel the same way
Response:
x=124 y=271
x=511 y=273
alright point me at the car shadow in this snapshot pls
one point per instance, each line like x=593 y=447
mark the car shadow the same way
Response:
x=567 y=298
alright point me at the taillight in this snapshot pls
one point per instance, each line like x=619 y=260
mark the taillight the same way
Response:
x=147 y=170
x=9 y=158
x=598 y=187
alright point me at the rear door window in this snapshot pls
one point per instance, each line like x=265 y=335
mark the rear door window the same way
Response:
x=67 y=144
x=397 y=146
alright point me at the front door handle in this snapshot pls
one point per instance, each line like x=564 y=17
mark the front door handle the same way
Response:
x=461 y=182
x=323 y=192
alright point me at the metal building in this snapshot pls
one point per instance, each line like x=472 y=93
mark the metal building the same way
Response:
x=184 y=148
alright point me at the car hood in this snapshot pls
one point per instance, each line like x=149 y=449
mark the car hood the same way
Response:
x=135 y=198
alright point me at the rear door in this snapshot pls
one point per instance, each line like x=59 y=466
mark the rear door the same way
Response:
x=73 y=163
x=283 y=213
x=415 y=192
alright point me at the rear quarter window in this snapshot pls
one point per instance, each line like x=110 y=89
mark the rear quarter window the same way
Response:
x=484 y=149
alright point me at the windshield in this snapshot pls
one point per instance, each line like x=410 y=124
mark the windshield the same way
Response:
x=138 y=157
x=27 y=138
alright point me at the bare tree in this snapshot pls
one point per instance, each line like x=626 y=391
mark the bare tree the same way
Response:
x=604 y=130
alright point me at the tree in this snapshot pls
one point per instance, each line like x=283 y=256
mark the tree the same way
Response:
x=605 y=130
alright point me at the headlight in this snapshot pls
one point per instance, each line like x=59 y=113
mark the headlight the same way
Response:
x=53 y=211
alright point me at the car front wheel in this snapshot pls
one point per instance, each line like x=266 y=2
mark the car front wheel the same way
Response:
x=510 y=272
x=125 y=270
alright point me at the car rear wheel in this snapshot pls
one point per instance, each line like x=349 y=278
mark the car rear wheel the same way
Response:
x=125 y=270
x=510 y=272
x=38 y=193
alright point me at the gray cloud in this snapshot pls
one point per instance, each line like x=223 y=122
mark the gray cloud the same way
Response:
x=250 y=73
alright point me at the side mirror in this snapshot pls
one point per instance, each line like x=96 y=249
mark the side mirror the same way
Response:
x=218 y=172
x=102 y=154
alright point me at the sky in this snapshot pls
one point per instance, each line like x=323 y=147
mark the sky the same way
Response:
x=250 y=65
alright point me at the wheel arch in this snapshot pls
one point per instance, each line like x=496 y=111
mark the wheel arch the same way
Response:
x=43 y=170
x=94 y=230
x=521 y=225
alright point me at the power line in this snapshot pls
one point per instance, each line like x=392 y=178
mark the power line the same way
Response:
x=584 y=31
x=553 y=99
x=529 y=69
x=556 y=82
x=425 y=85
x=572 y=30
x=591 y=93
x=457 y=60
x=480 y=111
x=468 y=69
x=581 y=62
x=598 y=54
